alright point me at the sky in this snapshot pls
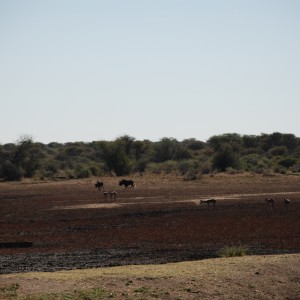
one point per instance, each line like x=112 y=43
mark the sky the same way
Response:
x=90 y=70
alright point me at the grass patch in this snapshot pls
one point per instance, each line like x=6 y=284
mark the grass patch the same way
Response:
x=233 y=251
x=153 y=293
x=141 y=290
x=9 y=291
x=93 y=294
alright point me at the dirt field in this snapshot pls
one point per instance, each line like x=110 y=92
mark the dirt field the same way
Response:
x=72 y=226
x=248 y=277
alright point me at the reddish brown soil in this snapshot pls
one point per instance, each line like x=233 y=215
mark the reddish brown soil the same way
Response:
x=72 y=226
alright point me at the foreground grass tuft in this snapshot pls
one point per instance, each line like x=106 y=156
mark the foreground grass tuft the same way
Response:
x=93 y=294
x=9 y=291
x=233 y=251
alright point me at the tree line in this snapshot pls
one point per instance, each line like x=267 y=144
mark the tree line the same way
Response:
x=276 y=152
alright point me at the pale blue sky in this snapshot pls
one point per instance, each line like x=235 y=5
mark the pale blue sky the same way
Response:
x=95 y=70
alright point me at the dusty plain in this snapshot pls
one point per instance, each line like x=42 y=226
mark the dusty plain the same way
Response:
x=160 y=223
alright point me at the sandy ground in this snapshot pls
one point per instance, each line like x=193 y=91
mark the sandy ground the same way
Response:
x=248 y=277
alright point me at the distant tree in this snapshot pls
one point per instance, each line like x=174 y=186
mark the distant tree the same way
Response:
x=141 y=154
x=217 y=142
x=193 y=144
x=182 y=153
x=142 y=149
x=250 y=141
x=275 y=139
x=127 y=142
x=170 y=149
x=116 y=159
x=224 y=158
x=287 y=162
x=290 y=141
x=74 y=150
x=278 y=151
x=21 y=160
x=188 y=165
x=32 y=161
x=54 y=145
x=253 y=162
x=165 y=149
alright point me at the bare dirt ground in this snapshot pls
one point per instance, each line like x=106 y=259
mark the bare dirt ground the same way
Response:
x=72 y=226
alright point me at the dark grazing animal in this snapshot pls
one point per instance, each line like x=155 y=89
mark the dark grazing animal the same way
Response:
x=209 y=201
x=127 y=183
x=99 y=185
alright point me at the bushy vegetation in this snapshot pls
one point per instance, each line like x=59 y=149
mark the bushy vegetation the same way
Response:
x=233 y=251
x=231 y=153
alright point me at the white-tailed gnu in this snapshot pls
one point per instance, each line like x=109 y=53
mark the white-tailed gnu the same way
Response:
x=209 y=201
x=127 y=183
x=99 y=185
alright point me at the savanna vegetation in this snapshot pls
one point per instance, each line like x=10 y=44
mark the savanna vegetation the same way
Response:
x=232 y=153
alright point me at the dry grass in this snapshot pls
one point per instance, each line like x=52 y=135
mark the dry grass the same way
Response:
x=249 y=277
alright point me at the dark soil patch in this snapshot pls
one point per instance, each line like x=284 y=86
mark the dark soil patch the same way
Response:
x=72 y=226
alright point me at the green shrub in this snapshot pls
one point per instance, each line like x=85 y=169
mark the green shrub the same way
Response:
x=82 y=172
x=224 y=158
x=192 y=175
x=169 y=166
x=206 y=168
x=228 y=152
x=254 y=163
x=154 y=168
x=280 y=170
x=278 y=151
x=296 y=168
x=233 y=251
x=287 y=162
x=10 y=171
x=231 y=171
x=141 y=165
x=185 y=165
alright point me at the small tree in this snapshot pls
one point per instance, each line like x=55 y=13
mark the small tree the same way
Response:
x=287 y=162
x=224 y=158
x=19 y=161
x=127 y=142
x=116 y=159
x=166 y=149
x=278 y=151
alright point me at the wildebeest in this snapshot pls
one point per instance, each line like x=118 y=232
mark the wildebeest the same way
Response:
x=99 y=185
x=127 y=183
x=209 y=201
